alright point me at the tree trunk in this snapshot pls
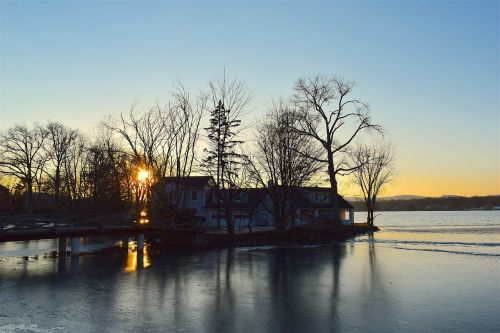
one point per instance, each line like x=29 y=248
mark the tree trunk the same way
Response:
x=57 y=186
x=370 y=208
x=230 y=225
x=29 y=197
x=333 y=188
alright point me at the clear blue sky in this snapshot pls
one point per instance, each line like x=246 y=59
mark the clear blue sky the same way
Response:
x=429 y=69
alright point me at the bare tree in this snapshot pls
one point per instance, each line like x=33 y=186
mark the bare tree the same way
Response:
x=223 y=158
x=59 y=140
x=75 y=166
x=185 y=129
x=282 y=159
x=163 y=140
x=105 y=171
x=143 y=135
x=373 y=169
x=328 y=113
x=21 y=156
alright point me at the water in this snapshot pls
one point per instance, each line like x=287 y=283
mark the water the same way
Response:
x=423 y=272
x=468 y=233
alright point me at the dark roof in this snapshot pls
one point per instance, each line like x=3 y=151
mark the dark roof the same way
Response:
x=255 y=197
x=301 y=201
x=189 y=181
x=343 y=203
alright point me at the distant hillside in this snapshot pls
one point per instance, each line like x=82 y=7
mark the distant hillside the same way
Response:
x=394 y=197
x=440 y=203
x=403 y=197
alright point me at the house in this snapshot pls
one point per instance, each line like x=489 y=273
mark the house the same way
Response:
x=183 y=193
x=313 y=204
x=197 y=196
x=247 y=207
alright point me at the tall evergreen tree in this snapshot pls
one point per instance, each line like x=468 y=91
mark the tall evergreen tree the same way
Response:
x=222 y=160
x=221 y=157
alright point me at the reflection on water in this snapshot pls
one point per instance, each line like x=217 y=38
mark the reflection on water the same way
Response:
x=382 y=282
x=44 y=246
x=478 y=241
x=136 y=259
x=353 y=286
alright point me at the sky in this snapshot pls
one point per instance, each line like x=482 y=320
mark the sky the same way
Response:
x=428 y=69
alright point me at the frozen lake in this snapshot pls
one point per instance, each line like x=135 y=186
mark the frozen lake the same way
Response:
x=424 y=271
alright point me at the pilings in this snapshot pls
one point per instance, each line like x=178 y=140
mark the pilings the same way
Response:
x=75 y=246
x=140 y=242
x=62 y=245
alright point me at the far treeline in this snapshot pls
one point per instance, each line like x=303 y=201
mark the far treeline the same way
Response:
x=442 y=203
x=315 y=134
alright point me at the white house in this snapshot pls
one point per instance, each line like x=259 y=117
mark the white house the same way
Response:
x=250 y=206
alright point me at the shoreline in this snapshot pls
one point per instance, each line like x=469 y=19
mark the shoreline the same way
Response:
x=197 y=241
x=314 y=235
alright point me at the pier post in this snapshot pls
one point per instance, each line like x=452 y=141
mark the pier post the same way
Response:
x=140 y=242
x=125 y=242
x=75 y=264
x=61 y=265
x=75 y=246
x=140 y=260
x=62 y=245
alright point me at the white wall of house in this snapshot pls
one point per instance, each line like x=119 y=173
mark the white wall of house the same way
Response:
x=194 y=198
x=190 y=198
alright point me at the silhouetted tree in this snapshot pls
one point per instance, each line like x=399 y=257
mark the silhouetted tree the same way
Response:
x=222 y=157
x=372 y=170
x=327 y=113
x=75 y=166
x=163 y=140
x=58 y=143
x=106 y=167
x=282 y=161
x=21 y=156
x=184 y=122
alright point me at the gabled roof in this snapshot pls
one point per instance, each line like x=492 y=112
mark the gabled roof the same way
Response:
x=301 y=201
x=255 y=197
x=189 y=181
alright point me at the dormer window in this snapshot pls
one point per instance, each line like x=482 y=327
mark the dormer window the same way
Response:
x=194 y=195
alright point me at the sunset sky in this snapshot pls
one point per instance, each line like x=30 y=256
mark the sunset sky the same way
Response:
x=429 y=69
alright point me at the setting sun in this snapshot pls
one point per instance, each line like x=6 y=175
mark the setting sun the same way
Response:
x=142 y=175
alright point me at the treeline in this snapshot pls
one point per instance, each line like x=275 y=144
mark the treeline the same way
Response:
x=110 y=170
x=443 y=203
x=312 y=131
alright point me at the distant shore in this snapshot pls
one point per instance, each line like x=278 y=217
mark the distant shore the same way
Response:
x=452 y=203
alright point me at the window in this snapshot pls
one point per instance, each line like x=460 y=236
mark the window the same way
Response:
x=194 y=195
x=316 y=197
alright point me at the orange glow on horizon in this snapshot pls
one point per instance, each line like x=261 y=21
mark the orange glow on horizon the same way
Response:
x=433 y=185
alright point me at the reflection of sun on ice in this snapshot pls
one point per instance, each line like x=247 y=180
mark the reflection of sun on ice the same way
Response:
x=136 y=259
x=142 y=175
